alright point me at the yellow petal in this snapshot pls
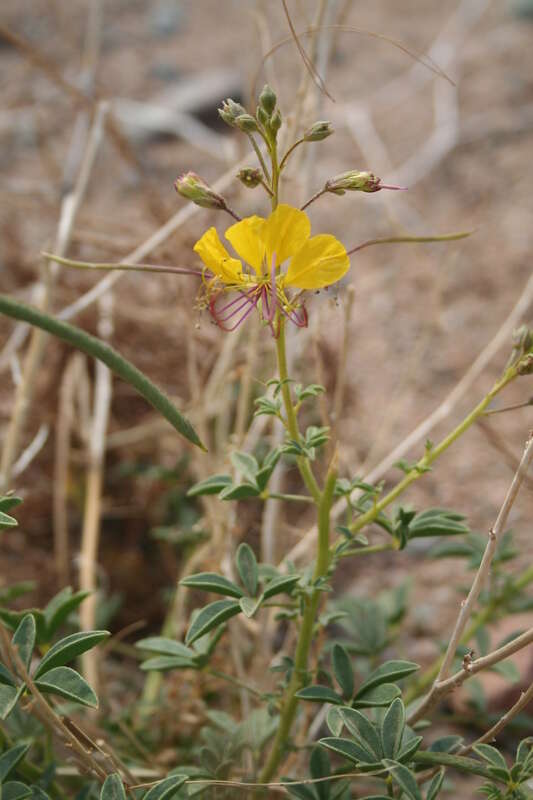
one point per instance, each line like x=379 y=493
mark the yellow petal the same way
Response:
x=285 y=232
x=245 y=237
x=217 y=259
x=320 y=262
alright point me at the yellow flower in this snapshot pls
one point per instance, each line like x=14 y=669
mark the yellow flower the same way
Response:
x=264 y=245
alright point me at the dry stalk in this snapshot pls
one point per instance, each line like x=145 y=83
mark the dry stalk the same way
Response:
x=93 y=500
x=65 y=420
x=480 y=579
x=69 y=210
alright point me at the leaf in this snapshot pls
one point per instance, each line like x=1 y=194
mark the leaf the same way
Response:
x=246 y=464
x=392 y=728
x=68 y=683
x=6 y=521
x=446 y=744
x=409 y=749
x=320 y=694
x=10 y=759
x=363 y=731
x=211 y=582
x=24 y=639
x=246 y=563
x=239 y=491
x=320 y=767
x=59 y=608
x=9 y=697
x=249 y=605
x=335 y=721
x=435 y=785
x=299 y=790
x=491 y=755
x=164 y=663
x=9 y=501
x=113 y=788
x=15 y=790
x=107 y=355
x=164 y=646
x=379 y=696
x=211 y=617
x=343 y=671
x=404 y=778
x=165 y=789
x=349 y=749
x=212 y=485
x=6 y=678
x=68 y=648
x=387 y=673
x=282 y=585
x=12 y=620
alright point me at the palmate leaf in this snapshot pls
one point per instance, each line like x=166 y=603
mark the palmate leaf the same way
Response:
x=363 y=731
x=377 y=697
x=211 y=617
x=350 y=749
x=69 y=648
x=67 y=683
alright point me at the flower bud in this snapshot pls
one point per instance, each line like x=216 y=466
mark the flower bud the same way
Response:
x=267 y=99
x=355 y=181
x=230 y=111
x=191 y=186
x=262 y=116
x=246 y=123
x=275 y=122
x=318 y=131
x=250 y=177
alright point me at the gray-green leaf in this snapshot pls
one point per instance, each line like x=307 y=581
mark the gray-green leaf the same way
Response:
x=66 y=682
x=165 y=789
x=113 y=788
x=211 y=582
x=24 y=639
x=211 y=617
x=68 y=648
x=247 y=567
x=392 y=729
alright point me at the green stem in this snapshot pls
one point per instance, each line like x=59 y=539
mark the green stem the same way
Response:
x=94 y=347
x=291 y=149
x=260 y=157
x=432 y=455
x=296 y=498
x=305 y=638
x=291 y=421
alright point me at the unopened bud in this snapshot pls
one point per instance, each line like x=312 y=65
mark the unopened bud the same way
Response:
x=275 y=122
x=262 y=116
x=246 y=123
x=250 y=177
x=355 y=181
x=230 y=111
x=318 y=131
x=191 y=186
x=268 y=99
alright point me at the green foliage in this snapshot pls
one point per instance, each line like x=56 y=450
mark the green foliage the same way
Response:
x=7 y=502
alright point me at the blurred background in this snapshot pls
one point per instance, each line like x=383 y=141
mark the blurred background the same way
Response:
x=102 y=105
